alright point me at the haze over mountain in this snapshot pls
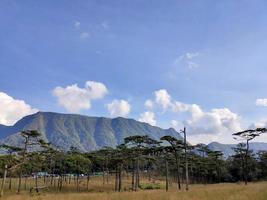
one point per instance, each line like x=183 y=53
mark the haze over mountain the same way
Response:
x=227 y=149
x=83 y=132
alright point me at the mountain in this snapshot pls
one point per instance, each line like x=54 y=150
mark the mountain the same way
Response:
x=227 y=149
x=83 y=132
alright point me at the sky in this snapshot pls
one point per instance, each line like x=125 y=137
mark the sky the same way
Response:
x=175 y=63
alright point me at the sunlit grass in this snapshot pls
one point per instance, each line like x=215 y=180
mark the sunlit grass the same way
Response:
x=98 y=191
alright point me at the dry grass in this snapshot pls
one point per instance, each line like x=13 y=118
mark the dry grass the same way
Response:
x=254 y=191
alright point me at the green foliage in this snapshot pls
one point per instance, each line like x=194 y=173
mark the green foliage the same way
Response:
x=150 y=186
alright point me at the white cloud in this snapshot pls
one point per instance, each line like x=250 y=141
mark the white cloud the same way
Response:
x=259 y=124
x=11 y=110
x=149 y=104
x=84 y=35
x=105 y=25
x=261 y=102
x=77 y=24
x=198 y=122
x=191 y=55
x=75 y=99
x=193 y=109
x=217 y=121
x=162 y=98
x=148 y=117
x=188 y=60
x=176 y=125
x=192 y=65
x=119 y=108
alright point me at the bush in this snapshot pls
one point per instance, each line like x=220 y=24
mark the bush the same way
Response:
x=150 y=186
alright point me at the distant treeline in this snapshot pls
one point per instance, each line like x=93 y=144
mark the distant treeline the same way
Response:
x=139 y=156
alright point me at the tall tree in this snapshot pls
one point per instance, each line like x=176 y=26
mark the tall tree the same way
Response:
x=10 y=151
x=31 y=138
x=186 y=161
x=177 y=146
x=249 y=135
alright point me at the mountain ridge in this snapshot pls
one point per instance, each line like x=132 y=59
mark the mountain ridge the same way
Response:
x=90 y=132
x=81 y=131
x=227 y=149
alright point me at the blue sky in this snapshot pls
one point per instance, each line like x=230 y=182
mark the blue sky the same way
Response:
x=208 y=53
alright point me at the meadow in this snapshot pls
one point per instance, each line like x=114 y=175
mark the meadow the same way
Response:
x=98 y=191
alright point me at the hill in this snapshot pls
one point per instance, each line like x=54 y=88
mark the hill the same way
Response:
x=84 y=132
x=227 y=149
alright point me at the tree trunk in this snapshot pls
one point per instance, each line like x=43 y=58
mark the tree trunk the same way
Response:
x=78 y=188
x=186 y=162
x=133 y=175
x=167 y=174
x=88 y=179
x=137 y=175
x=36 y=183
x=23 y=159
x=25 y=183
x=120 y=171
x=19 y=184
x=3 y=182
x=61 y=182
x=116 y=179
x=107 y=170
x=246 y=164
x=51 y=180
x=148 y=170
x=10 y=183
x=178 y=170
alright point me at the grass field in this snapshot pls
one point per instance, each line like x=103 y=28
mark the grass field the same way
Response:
x=254 y=191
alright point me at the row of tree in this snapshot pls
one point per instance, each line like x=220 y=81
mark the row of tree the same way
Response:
x=138 y=157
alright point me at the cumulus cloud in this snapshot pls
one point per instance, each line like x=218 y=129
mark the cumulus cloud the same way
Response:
x=84 y=35
x=11 y=110
x=162 y=98
x=119 y=108
x=215 y=121
x=261 y=102
x=148 y=104
x=148 y=117
x=74 y=99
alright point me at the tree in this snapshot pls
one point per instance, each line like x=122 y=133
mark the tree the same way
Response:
x=166 y=152
x=10 y=150
x=78 y=164
x=31 y=138
x=139 y=145
x=176 y=145
x=249 y=135
x=216 y=156
x=186 y=162
x=202 y=162
x=262 y=164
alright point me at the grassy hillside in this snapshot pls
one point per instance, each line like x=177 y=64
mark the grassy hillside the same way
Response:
x=83 y=132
